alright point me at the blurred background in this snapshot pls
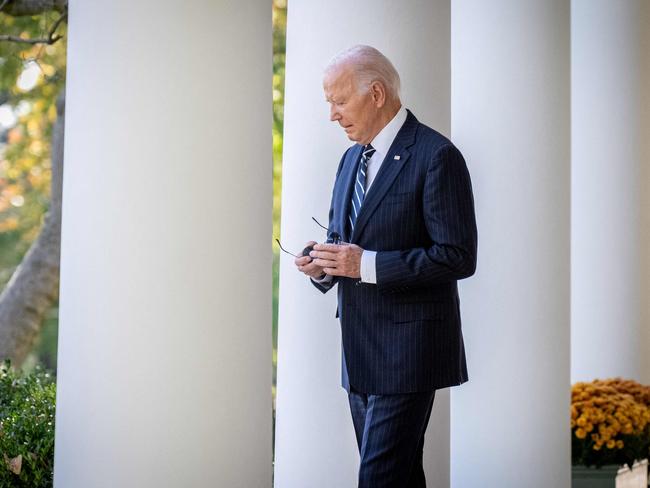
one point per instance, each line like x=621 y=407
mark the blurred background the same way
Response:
x=31 y=77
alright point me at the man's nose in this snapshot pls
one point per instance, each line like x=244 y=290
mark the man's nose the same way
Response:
x=334 y=115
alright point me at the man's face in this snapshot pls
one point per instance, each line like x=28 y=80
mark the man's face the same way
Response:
x=355 y=112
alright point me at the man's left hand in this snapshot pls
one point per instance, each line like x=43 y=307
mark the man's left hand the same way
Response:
x=338 y=259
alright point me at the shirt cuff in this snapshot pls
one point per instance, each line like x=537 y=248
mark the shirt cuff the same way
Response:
x=327 y=278
x=368 y=270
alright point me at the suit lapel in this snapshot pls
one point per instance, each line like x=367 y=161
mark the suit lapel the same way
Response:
x=390 y=168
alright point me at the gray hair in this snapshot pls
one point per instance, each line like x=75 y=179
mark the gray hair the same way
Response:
x=369 y=65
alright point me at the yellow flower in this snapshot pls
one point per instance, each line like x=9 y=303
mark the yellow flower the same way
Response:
x=605 y=409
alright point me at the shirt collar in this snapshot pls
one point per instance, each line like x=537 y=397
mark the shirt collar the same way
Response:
x=386 y=136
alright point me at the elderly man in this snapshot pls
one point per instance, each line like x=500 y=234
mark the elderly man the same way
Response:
x=403 y=208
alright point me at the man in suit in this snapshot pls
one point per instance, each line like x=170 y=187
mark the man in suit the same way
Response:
x=403 y=208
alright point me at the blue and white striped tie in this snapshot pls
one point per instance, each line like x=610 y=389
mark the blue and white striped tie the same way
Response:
x=360 y=184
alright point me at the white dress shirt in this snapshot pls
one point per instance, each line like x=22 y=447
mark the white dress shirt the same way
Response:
x=381 y=142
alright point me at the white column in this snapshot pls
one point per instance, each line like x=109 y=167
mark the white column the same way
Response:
x=164 y=373
x=315 y=443
x=510 y=118
x=609 y=241
x=645 y=195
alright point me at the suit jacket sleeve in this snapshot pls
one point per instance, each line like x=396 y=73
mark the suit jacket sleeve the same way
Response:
x=324 y=287
x=448 y=209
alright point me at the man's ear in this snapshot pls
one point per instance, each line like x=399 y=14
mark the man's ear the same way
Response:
x=378 y=93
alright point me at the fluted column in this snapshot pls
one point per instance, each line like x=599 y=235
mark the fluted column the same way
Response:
x=610 y=129
x=315 y=444
x=164 y=360
x=510 y=118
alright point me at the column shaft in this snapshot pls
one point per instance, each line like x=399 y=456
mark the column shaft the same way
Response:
x=510 y=118
x=609 y=157
x=315 y=443
x=164 y=374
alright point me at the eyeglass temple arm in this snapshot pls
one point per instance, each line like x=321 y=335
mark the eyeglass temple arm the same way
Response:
x=328 y=230
x=282 y=248
x=314 y=219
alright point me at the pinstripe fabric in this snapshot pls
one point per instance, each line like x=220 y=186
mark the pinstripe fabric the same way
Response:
x=390 y=436
x=404 y=333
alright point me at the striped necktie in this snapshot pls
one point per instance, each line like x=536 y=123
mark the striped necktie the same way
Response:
x=360 y=184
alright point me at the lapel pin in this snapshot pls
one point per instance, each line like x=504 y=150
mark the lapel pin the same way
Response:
x=396 y=156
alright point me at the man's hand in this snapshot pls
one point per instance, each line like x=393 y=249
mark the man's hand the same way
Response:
x=306 y=265
x=338 y=259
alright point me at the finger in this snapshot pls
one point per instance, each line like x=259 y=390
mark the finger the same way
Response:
x=311 y=243
x=325 y=263
x=311 y=266
x=310 y=269
x=302 y=260
x=333 y=271
x=327 y=247
x=323 y=255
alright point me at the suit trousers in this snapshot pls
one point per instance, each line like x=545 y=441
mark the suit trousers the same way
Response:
x=390 y=436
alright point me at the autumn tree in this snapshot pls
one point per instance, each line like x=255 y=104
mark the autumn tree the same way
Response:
x=32 y=118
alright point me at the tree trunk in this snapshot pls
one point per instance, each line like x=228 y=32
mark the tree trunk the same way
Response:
x=34 y=286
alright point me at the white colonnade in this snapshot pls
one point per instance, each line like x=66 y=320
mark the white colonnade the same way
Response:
x=165 y=338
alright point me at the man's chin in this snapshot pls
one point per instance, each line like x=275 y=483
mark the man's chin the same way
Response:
x=351 y=137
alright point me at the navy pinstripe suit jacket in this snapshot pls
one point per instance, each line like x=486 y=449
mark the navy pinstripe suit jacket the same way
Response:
x=403 y=334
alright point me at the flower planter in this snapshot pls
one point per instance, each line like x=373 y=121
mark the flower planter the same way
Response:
x=610 y=425
x=603 y=477
x=610 y=476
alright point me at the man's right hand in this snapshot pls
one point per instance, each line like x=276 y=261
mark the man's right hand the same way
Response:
x=305 y=264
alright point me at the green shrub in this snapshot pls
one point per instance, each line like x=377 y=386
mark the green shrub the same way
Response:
x=27 y=406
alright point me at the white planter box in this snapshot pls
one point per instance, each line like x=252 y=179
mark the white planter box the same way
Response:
x=637 y=477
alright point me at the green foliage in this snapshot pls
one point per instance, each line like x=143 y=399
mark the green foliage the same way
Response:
x=27 y=414
x=15 y=55
x=636 y=447
x=25 y=157
x=279 y=48
x=25 y=151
